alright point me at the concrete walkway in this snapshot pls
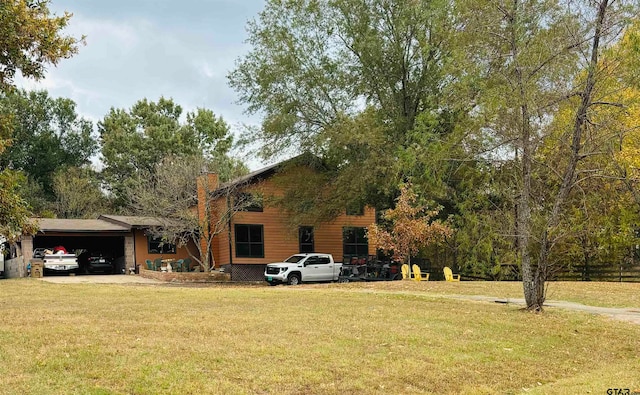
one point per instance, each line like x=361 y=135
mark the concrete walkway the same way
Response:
x=624 y=314
x=100 y=279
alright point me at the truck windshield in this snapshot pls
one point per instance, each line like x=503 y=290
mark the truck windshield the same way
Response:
x=295 y=258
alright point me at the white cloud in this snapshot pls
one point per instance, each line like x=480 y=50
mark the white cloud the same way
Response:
x=128 y=57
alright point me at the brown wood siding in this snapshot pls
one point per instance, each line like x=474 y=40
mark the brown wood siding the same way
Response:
x=221 y=247
x=142 y=249
x=281 y=238
x=220 y=242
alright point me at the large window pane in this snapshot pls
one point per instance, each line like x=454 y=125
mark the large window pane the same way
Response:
x=255 y=234
x=243 y=249
x=242 y=233
x=155 y=245
x=349 y=235
x=354 y=241
x=256 y=250
x=249 y=241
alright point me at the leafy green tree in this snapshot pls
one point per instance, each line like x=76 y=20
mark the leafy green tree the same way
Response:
x=14 y=213
x=30 y=39
x=602 y=210
x=47 y=134
x=346 y=80
x=526 y=60
x=40 y=203
x=483 y=244
x=78 y=193
x=135 y=141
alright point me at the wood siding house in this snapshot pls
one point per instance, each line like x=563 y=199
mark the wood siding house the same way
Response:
x=264 y=233
x=125 y=238
x=145 y=246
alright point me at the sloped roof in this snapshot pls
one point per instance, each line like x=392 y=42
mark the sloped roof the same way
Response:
x=131 y=221
x=253 y=176
x=268 y=171
x=78 y=225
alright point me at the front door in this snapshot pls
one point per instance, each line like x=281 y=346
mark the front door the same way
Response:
x=305 y=239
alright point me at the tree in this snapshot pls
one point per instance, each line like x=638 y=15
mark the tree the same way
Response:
x=78 y=193
x=346 y=80
x=14 y=213
x=527 y=58
x=624 y=90
x=30 y=39
x=40 y=203
x=47 y=134
x=135 y=141
x=412 y=227
x=169 y=194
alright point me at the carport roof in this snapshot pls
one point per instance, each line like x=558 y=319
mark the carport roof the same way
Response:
x=78 y=225
x=132 y=221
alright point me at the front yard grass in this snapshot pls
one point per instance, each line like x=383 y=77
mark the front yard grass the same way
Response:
x=602 y=294
x=334 y=339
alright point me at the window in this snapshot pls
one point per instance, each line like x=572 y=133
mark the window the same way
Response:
x=305 y=238
x=355 y=209
x=158 y=246
x=312 y=260
x=249 y=202
x=324 y=260
x=354 y=241
x=249 y=241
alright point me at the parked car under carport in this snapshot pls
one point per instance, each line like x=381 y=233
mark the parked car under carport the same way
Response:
x=94 y=262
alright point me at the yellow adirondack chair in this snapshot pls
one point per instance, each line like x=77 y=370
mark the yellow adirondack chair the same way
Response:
x=449 y=276
x=418 y=275
x=405 y=272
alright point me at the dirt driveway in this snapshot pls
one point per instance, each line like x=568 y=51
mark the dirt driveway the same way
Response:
x=100 y=279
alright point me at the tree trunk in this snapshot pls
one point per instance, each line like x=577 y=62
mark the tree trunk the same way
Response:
x=534 y=277
x=568 y=179
x=530 y=279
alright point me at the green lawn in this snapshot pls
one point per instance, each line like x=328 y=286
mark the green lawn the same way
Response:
x=603 y=294
x=385 y=338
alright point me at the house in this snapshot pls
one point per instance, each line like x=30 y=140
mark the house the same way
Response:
x=261 y=232
x=145 y=245
x=242 y=242
x=125 y=237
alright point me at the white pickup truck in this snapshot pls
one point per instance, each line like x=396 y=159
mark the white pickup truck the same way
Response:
x=303 y=268
x=60 y=263
x=57 y=262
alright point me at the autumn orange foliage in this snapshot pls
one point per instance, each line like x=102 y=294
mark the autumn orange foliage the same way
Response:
x=412 y=227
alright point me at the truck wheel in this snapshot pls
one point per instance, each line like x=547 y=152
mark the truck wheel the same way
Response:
x=272 y=283
x=293 y=279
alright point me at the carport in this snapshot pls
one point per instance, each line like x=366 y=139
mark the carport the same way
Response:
x=83 y=234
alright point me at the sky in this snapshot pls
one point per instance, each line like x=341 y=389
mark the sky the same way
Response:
x=139 y=49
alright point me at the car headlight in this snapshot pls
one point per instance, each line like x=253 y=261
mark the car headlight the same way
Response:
x=283 y=269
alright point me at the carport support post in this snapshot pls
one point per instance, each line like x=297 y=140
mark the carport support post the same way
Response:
x=129 y=254
x=27 y=248
x=26 y=245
